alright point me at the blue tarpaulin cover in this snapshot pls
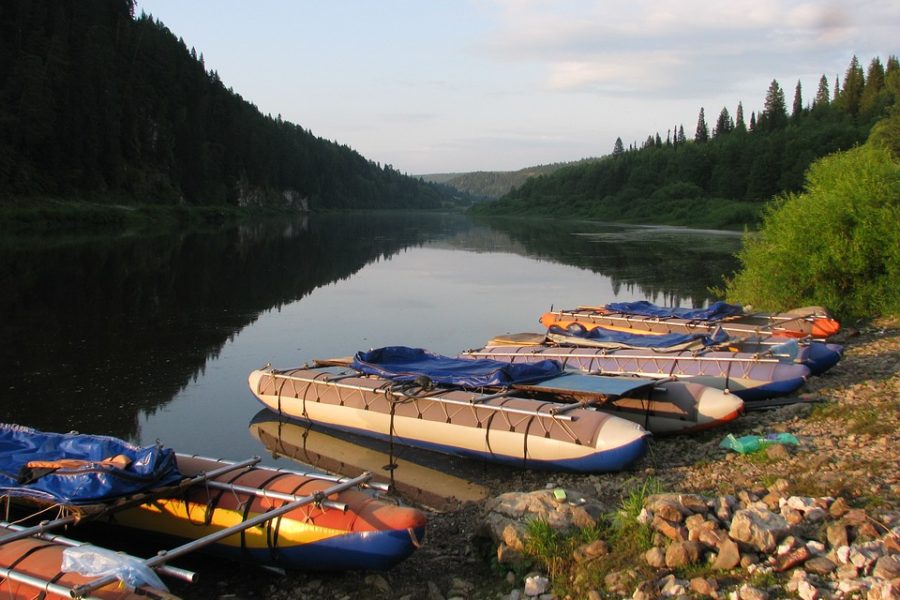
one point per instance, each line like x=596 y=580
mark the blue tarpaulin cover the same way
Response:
x=713 y=312
x=400 y=363
x=576 y=334
x=79 y=469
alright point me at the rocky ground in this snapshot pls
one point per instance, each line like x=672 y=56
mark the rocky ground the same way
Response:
x=819 y=519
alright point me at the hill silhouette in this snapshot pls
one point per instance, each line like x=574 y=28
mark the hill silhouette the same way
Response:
x=97 y=103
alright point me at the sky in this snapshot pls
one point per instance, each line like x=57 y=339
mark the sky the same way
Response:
x=445 y=86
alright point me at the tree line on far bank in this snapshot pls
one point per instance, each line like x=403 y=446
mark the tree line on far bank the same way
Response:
x=727 y=170
x=97 y=103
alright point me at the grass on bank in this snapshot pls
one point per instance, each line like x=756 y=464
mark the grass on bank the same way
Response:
x=628 y=540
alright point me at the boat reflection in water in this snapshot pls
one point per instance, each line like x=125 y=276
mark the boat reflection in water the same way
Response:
x=349 y=455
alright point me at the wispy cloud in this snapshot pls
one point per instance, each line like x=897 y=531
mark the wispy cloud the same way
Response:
x=657 y=45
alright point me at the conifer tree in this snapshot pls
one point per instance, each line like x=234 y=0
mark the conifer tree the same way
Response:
x=739 y=124
x=822 y=97
x=797 y=106
x=658 y=140
x=774 y=114
x=752 y=126
x=854 y=81
x=724 y=124
x=702 y=133
x=870 y=104
x=618 y=148
x=681 y=138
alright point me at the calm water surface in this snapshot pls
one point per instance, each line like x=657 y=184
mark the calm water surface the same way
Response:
x=150 y=338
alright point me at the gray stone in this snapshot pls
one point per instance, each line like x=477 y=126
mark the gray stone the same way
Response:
x=748 y=592
x=729 y=556
x=670 y=529
x=847 y=571
x=655 y=557
x=666 y=507
x=838 y=508
x=887 y=567
x=712 y=538
x=724 y=505
x=506 y=516
x=807 y=591
x=670 y=586
x=695 y=521
x=759 y=528
x=791 y=559
x=508 y=556
x=535 y=585
x=820 y=565
x=704 y=586
x=679 y=554
x=646 y=590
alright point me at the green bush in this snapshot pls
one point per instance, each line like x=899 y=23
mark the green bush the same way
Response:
x=837 y=244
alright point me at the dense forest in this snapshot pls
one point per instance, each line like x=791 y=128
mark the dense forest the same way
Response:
x=100 y=104
x=723 y=174
x=493 y=184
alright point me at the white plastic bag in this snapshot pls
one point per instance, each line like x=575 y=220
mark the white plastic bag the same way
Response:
x=93 y=561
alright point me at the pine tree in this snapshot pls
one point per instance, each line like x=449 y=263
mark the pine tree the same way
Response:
x=752 y=121
x=618 y=148
x=774 y=114
x=822 y=98
x=724 y=124
x=681 y=138
x=797 y=107
x=658 y=140
x=702 y=133
x=739 y=124
x=870 y=104
x=854 y=81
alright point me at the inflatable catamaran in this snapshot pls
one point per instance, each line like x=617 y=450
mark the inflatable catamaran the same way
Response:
x=768 y=371
x=532 y=415
x=237 y=509
x=642 y=316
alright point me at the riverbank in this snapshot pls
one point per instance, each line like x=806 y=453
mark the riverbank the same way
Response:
x=849 y=448
x=41 y=215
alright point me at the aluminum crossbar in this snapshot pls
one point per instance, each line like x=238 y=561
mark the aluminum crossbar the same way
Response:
x=174 y=572
x=263 y=493
x=388 y=392
x=42 y=584
x=375 y=485
x=167 y=555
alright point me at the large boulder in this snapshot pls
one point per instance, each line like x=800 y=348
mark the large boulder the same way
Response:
x=506 y=517
x=759 y=528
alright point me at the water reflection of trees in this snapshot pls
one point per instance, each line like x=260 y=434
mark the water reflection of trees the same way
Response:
x=94 y=332
x=669 y=265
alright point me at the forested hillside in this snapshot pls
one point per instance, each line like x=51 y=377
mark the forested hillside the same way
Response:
x=97 y=103
x=492 y=184
x=727 y=170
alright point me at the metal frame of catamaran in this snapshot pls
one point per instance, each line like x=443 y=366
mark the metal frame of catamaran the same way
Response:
x=158 y=563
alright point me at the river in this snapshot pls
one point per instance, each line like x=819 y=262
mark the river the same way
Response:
x=151 y=337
